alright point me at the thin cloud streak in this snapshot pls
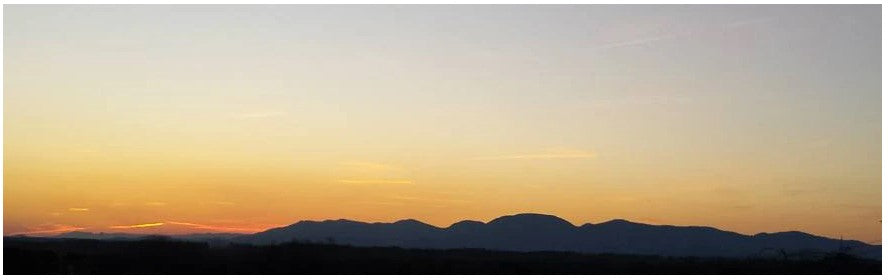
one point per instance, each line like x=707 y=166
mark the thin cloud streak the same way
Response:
x=376 y=182
x=55 y=228
x=413 y=198
x=216 y=228
x=137 y=226
x=226 y=203
x=191 y=225
x=78 y=209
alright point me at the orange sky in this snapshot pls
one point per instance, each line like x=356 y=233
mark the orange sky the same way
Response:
x=195 y=119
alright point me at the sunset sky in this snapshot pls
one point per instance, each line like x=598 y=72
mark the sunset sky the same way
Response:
x=173 y=119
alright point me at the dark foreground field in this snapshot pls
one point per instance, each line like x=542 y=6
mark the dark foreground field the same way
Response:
x=159 y=256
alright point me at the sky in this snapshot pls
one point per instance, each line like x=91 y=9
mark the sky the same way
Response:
x=175 y=119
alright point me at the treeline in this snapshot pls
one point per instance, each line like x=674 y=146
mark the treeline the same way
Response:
x=165 y=256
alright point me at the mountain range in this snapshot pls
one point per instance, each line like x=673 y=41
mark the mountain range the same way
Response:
x=539 y=232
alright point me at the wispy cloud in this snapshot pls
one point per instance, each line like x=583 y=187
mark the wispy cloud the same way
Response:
x=47 y=229
x=197 y=226
x=378 y=182
x=445 y=200
x=552 y=154
x=226 y=203
x=155 y=203
x=137 y=226
x=216 y=228
x=78 y=209
x=259 y=115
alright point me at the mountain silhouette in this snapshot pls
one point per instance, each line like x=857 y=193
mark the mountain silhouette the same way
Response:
x=539 y=232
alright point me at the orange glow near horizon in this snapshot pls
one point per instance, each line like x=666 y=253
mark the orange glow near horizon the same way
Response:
x=243 y=119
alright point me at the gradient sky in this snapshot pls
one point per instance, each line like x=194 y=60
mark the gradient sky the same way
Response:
x=176 y=119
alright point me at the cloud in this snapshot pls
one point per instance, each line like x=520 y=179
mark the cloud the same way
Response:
x=215 y=228
x=191 y=225
x=137 y=226
x=155 y=203
x=259 y=115
x=552 y=154
x=377 y=182
x=413 y=198
x=78 y=209
x=46 y=229
x=222 y=203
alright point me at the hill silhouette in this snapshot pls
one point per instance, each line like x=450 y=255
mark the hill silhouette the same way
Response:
x=538 y=232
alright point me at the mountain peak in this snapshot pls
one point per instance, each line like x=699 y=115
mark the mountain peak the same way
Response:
x=412 y=223
x=620 y=222
x=531 y=219
x=794 y=234
x=465 y=223
x=409 y=221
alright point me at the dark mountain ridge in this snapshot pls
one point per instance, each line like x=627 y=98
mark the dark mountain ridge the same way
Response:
x=539 y=232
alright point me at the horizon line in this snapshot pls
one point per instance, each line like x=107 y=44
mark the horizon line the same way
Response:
x=83 y=229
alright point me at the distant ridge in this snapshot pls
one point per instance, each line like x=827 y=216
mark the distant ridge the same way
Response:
x=540 y=232
x=133 y=236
